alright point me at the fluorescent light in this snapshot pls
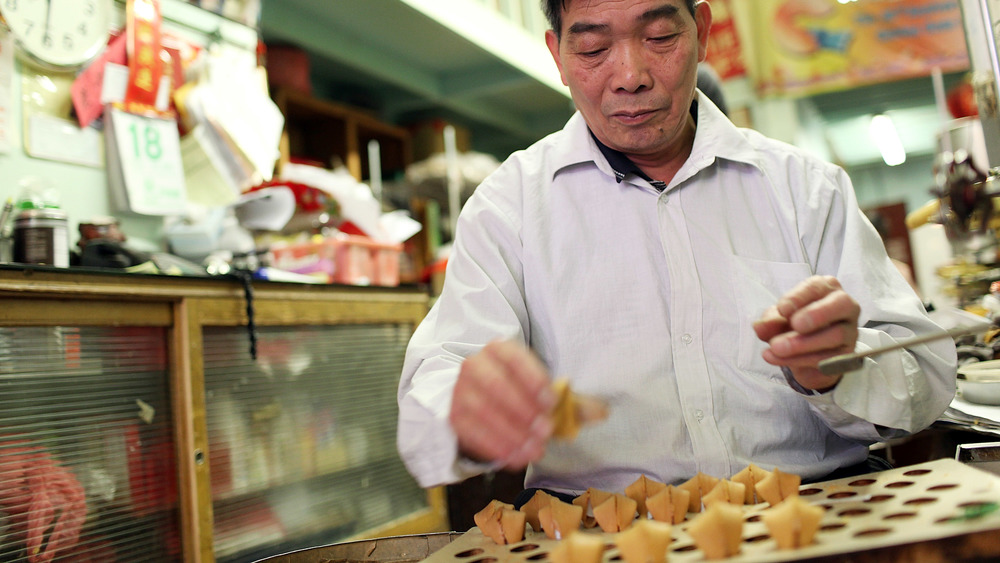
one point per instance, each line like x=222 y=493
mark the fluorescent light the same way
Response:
x=884 y=134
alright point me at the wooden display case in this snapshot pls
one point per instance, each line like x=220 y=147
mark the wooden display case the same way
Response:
x=186 y=448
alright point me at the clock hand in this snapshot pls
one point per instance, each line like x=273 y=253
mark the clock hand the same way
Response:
x=48 y=15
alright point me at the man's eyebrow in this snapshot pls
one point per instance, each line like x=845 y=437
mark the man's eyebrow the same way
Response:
x=584 y=27
x=667 y=12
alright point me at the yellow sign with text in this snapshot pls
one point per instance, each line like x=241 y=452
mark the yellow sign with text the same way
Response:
x=808 y=46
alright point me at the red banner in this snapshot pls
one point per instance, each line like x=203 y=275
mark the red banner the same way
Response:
x=144 y=62
x=725 y=52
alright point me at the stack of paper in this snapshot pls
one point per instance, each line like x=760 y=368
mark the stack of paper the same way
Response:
x=982 y=418
x=233 y=126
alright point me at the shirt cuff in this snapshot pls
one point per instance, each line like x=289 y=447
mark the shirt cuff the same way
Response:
x=799 y=388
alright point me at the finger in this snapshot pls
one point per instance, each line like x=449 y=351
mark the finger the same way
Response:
x=770 y=324
x=484 y=431
x=806 y=292
x=803 y=361
x=838 y=338
x=834 y=308
x=511 y=379
x=495 y=408
x=528 y=375
x=531 y=450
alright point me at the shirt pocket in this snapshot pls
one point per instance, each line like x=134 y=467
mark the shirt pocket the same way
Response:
x=758 y=286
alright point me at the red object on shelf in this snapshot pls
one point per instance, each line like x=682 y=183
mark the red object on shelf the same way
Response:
x=288 y=67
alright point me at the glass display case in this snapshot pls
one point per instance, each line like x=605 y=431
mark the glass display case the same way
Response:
x=145 y=418
x=86 y=445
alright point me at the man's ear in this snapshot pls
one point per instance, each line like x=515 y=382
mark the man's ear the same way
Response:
x=552 y=41
x=703 y=17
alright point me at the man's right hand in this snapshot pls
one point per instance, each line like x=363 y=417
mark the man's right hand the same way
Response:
x=501 y=406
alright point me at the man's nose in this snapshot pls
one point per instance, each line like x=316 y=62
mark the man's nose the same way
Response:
x=631 y=69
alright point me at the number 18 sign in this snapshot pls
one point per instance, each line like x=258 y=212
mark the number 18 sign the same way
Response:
x=145 y=170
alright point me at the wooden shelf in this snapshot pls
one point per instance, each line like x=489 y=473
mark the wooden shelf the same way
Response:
x=323 y=131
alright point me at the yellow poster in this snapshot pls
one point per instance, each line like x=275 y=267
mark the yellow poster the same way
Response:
x=808 y=46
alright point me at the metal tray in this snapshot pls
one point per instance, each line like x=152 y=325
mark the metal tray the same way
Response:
x=937 y=511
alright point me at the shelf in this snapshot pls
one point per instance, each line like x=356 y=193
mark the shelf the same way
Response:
x=413 y=60
x=319 y=130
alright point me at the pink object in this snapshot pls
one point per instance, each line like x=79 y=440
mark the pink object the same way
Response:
x=347 y=259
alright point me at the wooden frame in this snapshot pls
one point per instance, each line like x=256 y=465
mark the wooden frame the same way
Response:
x=50 y=297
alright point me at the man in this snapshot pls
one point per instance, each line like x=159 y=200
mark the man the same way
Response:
x=689 y=273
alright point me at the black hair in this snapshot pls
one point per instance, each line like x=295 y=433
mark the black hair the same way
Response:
x=553 y=12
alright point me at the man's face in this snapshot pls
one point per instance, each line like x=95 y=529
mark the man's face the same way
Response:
x=631 y=66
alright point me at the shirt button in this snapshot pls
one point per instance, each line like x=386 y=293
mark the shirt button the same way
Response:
x=686 y=339
x=699 y=414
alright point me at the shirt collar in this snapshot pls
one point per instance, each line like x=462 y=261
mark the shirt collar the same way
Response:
x=716 y=137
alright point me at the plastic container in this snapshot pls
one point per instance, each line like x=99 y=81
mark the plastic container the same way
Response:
x=346 y=259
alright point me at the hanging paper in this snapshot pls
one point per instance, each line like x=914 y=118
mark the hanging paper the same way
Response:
x=145 y=64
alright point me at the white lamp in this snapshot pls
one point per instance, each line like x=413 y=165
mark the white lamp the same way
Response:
x=884 y=134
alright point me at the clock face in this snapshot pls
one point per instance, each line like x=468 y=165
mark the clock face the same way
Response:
x=60 y=34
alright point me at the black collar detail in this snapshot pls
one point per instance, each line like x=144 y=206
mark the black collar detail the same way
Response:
x=621 y=164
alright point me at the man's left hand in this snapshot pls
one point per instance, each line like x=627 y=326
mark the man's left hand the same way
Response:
x=816 y=320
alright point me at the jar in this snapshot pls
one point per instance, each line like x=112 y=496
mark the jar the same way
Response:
x=41 y=237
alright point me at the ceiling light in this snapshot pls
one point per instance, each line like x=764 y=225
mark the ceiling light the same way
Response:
x=884 y=134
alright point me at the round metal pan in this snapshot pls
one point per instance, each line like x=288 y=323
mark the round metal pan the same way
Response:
x=394 y=549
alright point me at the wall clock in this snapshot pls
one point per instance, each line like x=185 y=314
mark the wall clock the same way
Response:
x=60 y=35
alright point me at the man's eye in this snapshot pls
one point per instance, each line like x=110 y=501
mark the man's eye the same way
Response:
x=662 y=38
x=591 y=53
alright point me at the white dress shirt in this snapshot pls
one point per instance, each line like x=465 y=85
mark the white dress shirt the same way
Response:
x=647 y=299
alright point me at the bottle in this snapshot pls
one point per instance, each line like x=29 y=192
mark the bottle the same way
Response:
x=40 y=232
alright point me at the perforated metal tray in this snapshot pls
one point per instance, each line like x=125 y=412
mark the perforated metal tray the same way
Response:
x=936 y=511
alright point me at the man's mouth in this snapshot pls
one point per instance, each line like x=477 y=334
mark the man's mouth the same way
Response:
x=632 y=116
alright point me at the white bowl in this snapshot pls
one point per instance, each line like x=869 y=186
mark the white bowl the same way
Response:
x=980 y=382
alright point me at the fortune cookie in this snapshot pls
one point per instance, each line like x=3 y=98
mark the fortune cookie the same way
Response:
x=750 y=476
x=588 y=500
x=501 y=522
x=725 y=491
x=615 y=514
x=641 y=489
x=778 y=486
x=793 y=523
x=645 y=542
x=669 y=505
x=698 y=486
x=531 y=508
x=559 y=519
x=572 y=411
x=578 y=548
x=718 y=532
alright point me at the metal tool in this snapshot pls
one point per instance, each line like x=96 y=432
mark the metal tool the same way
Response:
x=850 y=362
